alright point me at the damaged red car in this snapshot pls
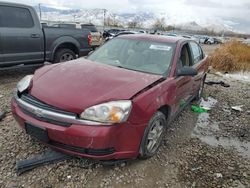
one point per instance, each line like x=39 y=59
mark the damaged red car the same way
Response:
x=115 y=104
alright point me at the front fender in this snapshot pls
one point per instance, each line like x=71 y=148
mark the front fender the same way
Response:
x=147 y=103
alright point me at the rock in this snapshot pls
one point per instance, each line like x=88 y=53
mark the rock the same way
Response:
x=2 y=115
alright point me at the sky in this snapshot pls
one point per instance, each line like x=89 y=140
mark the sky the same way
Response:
x=235 y=13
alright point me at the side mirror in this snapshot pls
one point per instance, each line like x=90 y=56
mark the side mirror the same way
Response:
x=187 y=71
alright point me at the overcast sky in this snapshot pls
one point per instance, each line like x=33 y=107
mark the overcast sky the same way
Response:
x=235 y=13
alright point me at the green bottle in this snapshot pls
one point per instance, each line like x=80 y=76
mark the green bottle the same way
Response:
x=198 y=109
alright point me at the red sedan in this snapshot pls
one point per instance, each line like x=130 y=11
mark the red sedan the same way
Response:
x=116 y=103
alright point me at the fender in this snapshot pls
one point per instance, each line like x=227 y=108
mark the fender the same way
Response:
x=148 y=102
x=60 y=41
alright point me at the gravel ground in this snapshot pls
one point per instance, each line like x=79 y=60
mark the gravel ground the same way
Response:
x=199 y=150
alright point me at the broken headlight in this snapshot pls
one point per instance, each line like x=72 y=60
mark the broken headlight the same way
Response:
x=24 y=83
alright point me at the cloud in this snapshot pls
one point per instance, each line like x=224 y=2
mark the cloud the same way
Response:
x=238 y=12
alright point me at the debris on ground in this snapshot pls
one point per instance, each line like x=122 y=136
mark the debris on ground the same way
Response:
x=217 y=83
x=238 y=108
x=198 y=109
x=48 y=157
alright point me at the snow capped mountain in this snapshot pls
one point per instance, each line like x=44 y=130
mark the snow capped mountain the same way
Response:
x=145 y=19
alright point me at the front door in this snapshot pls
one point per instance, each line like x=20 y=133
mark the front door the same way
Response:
x=184 y=84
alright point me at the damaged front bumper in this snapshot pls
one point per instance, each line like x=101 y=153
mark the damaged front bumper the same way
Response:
x=63 y=131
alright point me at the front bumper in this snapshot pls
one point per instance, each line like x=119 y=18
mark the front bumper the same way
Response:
x=101 y=142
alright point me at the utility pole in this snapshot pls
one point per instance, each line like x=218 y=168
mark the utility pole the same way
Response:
x=104 y=18
x=40 y=11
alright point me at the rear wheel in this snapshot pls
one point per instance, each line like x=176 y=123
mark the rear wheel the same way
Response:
x=153 y=135
x=63 y=55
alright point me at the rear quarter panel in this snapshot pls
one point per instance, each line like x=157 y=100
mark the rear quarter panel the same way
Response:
x=56 y=36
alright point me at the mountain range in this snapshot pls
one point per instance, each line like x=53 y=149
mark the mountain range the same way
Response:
x=144 y=19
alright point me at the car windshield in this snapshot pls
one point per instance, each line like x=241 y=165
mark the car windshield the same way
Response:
x=143 y=56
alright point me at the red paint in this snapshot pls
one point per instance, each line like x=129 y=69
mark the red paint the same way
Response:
x=77 y=85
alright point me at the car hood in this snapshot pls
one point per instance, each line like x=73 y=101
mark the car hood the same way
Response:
x=76 y=85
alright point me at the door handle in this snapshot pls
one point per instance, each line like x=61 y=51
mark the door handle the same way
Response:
x=35 y=36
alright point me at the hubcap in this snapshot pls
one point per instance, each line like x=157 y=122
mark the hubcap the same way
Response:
x=66 y=57
x=154 y=135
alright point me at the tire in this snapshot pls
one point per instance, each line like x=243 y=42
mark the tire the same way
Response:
x=152 y=139
x=63 y=55
x=200 y=91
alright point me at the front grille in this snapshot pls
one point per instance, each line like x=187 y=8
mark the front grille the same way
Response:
x=36 y=102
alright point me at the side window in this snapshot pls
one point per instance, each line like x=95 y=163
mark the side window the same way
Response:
x=196 y=52
x=185 y=59
x=15 y=17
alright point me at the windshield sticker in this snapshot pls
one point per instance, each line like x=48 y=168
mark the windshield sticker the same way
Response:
x=160 y=47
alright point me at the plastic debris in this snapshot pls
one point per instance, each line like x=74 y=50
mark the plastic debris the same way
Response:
x=48 y=157
x=218 y=83
x=218 y=175
x=198 y=109
x=238 y=108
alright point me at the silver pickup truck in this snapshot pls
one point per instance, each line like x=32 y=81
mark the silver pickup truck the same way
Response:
x=23 y=40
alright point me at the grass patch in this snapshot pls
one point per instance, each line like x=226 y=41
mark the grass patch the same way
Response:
x=231 y=57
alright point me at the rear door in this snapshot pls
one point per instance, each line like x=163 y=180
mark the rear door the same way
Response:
x=197 y=63
x=21 y=36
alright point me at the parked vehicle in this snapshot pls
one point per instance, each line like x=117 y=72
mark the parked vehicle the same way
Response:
x=117 y=103
x=121 y=33
x=217 y=41
x=246 y=41
x=96 y=35
x=206 y=40
x=23 y=40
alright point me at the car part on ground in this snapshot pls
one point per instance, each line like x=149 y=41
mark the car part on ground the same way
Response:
x=49 y=157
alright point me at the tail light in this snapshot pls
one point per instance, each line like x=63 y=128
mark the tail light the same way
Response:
x=89 y=39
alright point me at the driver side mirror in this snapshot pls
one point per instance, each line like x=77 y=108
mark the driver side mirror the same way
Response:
x=187 y=71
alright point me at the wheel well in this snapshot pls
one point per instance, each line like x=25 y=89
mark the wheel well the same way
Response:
x=165 y=110
x=68 y=46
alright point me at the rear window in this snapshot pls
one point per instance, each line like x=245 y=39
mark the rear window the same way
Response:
x=91 y=28
x=15 y=17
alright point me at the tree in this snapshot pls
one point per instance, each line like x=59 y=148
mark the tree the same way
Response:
x=134 y=24
x=159 y=24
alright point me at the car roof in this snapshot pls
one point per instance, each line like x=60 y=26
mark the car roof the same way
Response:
x=154 y=38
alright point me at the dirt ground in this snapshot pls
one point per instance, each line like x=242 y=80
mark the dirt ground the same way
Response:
x=199 y=150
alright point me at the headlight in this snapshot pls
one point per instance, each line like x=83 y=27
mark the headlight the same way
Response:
x=24 y=83
x=110 y=112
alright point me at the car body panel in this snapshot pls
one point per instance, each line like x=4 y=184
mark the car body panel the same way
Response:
x=85 y=76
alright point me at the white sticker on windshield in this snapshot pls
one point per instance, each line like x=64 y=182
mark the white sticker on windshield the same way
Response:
x=160 y=47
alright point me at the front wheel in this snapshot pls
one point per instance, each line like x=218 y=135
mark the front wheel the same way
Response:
x=63 y=55
x=153 y=135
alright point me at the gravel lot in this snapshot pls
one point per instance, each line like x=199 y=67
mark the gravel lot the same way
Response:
x=199 y=150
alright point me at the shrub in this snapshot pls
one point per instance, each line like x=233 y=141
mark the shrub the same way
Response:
x=232 y=56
